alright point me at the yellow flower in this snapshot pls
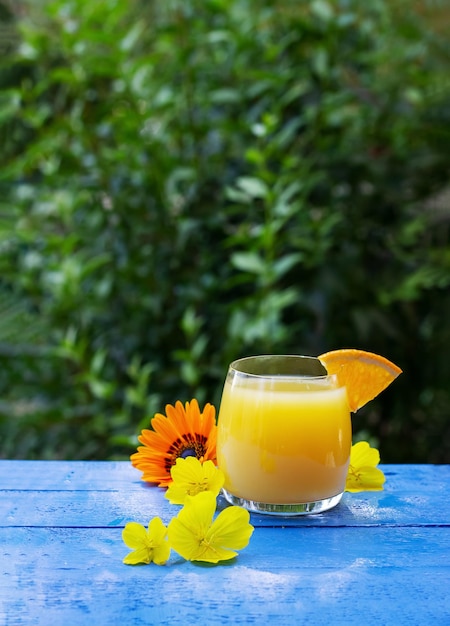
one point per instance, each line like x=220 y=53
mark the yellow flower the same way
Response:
x=363 y=474
x=148 y=545
x=191 y=477
x=196 y=537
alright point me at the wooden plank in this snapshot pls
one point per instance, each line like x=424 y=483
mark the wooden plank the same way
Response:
x=85 y=509
x=101 y=494
x=351 y=576
x=114 y=475
x=69 y=475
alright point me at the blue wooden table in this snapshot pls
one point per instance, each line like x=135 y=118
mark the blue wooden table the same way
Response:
x=378 y=558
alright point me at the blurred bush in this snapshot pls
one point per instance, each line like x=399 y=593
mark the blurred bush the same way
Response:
x=187 y=182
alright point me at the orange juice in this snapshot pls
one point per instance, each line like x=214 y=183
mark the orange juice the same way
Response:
x=283 y=440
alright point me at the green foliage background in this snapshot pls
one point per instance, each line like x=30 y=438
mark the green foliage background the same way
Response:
x=186 y=182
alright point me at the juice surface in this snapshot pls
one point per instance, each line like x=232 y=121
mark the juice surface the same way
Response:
x=283 y=441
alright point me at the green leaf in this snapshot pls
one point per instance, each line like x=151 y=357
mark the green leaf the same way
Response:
x=284 y=264
x=254 y=187
x=248 y=262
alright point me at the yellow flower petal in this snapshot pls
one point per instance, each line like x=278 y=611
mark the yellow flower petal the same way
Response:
x=134 y=535
x=362 y=455
x=141 y=555
x=232 y=528
x=192 y=535
x=161 y=547
x=188 y=529
x=161 y=553
x=367 y=479
x=191 y=477
x=156 y=530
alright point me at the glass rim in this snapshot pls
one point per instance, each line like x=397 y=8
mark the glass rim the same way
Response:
x=293 y=366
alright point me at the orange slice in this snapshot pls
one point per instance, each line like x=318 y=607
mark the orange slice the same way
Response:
x=363 y=373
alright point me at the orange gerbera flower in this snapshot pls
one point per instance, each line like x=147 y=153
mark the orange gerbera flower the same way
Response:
x=185 y=431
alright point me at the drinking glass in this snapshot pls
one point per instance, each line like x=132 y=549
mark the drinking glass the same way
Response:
x=284 y=435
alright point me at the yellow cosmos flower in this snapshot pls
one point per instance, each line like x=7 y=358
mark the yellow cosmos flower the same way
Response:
x=148 y=545
x=363 y=474
x=196 y=537
x=191 y=477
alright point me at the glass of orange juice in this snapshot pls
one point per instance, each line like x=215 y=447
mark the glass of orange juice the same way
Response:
x=284 y=435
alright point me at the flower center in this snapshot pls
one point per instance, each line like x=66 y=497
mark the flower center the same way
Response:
x=187 y=452
x=184 y=446
x=353 y=471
